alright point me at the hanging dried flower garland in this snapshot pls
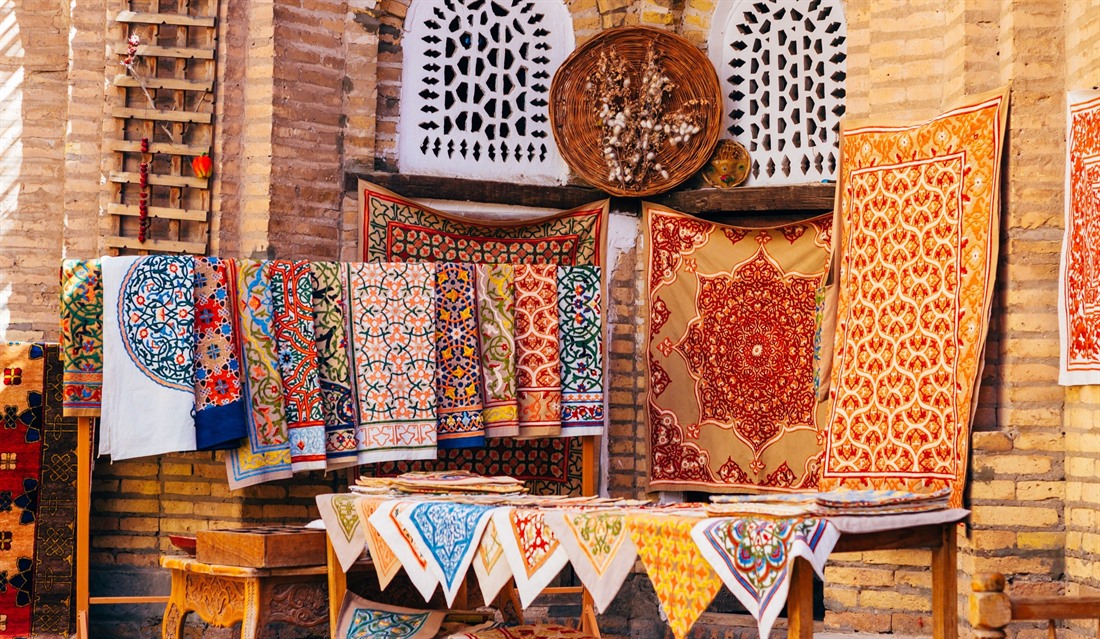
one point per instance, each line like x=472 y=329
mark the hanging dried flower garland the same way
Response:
x=636 y=111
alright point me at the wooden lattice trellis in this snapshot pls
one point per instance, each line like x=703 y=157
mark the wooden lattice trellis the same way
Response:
x=166 y=97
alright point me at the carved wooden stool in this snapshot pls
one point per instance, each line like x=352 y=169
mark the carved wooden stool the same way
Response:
x=224 y=595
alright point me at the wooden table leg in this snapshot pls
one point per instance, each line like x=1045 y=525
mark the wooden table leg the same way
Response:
x=254 y=610
x=337 y=587
x=171 y=627
x=800 y=601
x=945 y=587
x=589 y=625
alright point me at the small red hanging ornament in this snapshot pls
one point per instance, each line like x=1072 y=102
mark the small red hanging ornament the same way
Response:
x=202 y=166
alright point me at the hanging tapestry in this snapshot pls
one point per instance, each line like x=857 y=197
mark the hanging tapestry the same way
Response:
x=82 y=336
x=265 y=453
x=732 y=315
x=386 y=521
x=219 y=407
x=386 y=564
x=396 y=229
x=362 y=619
x=345 y=531
x=684 y=582
x=490 y=566
x=496 y=303
x=447 y=535
x=292 y=301
x=333 y=370
x=391 y=345
x=754 y=557
x=599 y=548
x=538 y=369
x=148 y=368
x=533 y=552
x=580 y=326
x=37 y=494
x=917 y=217
x=1079 y=281
x=457 y=357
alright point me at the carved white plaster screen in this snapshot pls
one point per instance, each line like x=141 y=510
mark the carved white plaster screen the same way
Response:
x=475 y=85
x=782 y=64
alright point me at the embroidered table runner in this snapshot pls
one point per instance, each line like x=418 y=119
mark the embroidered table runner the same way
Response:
x=732 y=403
x=918 y=216
x=148 y=344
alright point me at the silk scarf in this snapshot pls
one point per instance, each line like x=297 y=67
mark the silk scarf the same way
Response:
x=363 y=619
x=754 y=557
x=533 y=552
x=447 y=535
x=732 y=404
x=917 y=218
x=599 y=548
x=333 y=370
x=683 y=580
x=580 y=325
x=82 y=336
x=345 y=531
x=291 y=298
x=219 y=405
x=148 y=365
x=1079 y=276
x=457 y=357
x=496 y=304
x=264 y=455
x=538 y=368
x=391 y=346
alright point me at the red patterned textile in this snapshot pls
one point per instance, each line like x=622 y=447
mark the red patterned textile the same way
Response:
x=732 y=400
x=917 y=217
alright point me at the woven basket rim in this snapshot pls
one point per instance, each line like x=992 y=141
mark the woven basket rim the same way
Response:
x=578 y=136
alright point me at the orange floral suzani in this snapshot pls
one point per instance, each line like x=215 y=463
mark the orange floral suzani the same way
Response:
x=733 y=311
x=917 y=211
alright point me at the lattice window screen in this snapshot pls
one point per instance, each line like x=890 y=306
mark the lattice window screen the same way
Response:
x=475 y=87
x=783 y=66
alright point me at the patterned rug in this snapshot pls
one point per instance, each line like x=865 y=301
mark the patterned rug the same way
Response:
x=395 y=229
x=917 y=214
x=731 y=342
x=1079 y=286
x=37 y=494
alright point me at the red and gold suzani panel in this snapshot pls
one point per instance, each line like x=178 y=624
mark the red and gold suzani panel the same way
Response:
x=732 y=403
x=1079 y=285
x=917 y=214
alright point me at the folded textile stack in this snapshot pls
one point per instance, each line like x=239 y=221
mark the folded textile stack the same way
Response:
x=459 y=481
x=499 y=631
x=879 y=502
x=770 y=505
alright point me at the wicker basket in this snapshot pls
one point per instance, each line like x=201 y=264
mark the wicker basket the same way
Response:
x=579 y=134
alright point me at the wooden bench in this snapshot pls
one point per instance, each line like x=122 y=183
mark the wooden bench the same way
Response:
x=992 y=609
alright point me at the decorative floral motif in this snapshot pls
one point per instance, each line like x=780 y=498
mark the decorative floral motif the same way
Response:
x=156 y=319
x=450 y=534
x=671 y=239
x=496 y=313
x=219 y=410
x=918 y=233
x=538 y=368
x=580 y=324
x=82 y=335
x=362 y=619
x=334 y=373
x=458 y=361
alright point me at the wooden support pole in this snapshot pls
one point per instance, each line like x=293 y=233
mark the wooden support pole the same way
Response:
x=83 y=515
x=945 y=586
x=990 y=608
x=800 y=601
x=337 y=586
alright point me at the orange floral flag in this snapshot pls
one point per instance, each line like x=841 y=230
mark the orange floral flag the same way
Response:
x=917 y=219
x=732 y=321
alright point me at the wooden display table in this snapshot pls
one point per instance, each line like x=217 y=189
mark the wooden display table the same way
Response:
x=225 y=595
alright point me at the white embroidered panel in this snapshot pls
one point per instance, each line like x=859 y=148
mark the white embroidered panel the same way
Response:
x=782 y=64
x=475 y=88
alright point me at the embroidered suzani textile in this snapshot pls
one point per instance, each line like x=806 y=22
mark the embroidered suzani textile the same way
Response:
x=580 y=349
x=496 y=307
x=457 y=358
x=219 y=404
x=538 y=367
x=447 y=536
x=82 y=336
x=395 y=229
x=597 y=543
x=264 y=454
x=148 y=356
x=732 y=315
x=338 y=407
x=917 y=219
x=1079 y=284
x=363 y=619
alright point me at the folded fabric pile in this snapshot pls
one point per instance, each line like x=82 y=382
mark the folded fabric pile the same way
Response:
x=499 y=631
x=879 y=502
x=458 y=481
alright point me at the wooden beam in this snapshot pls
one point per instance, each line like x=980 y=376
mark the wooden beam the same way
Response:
x=123 y=177
x=162 y=116
x=162 y=212
x=172 y=84
x=1037 y=608
x=186 y=53
x=918 y=537
x=165 y=18
x=807 y=198
x=134 y=600
x=166 y=246
x=129 y=146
